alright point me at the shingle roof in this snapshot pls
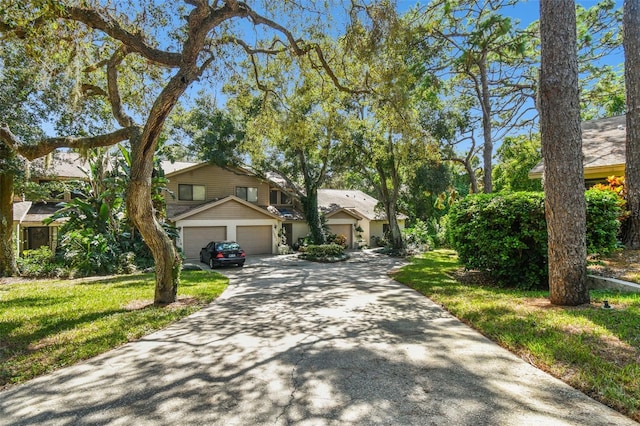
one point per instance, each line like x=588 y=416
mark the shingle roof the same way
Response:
x=603 y=144
x=365 y=205
x=61 y=164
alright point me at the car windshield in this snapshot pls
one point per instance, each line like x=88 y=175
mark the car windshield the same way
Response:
x=228 y=246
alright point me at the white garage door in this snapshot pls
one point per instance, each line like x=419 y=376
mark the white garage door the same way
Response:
x=199 y=236
x=255 y=239
x=344 y=230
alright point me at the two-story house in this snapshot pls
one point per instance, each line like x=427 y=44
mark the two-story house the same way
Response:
x=206 y=202
x=212 y=203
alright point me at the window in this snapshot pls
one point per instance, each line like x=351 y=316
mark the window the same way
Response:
x=191 y=192
x=247 y=194
x=273 y=197
x=284 y=198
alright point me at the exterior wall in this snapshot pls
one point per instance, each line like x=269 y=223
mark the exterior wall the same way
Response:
x=375 y=230
x=218 y=183
x=300 y=230
x=229 y=210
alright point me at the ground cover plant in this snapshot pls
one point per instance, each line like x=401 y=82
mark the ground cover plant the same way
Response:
x=48 y=324
x=593 y=349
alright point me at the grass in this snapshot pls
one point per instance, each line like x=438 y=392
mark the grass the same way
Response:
x=48 y=324
x=593 y=349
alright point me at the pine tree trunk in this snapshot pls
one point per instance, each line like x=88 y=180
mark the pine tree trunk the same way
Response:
x=8 y=267
x=565 y=206
x=631 y=43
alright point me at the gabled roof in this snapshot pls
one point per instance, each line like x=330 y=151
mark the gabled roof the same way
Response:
x=330 y=200
x=603 y=147
x=212 y=204
x=351 y=212
x=20 y=210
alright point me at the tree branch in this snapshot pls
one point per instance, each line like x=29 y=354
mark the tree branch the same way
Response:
x=45 y=146
x=112 y=86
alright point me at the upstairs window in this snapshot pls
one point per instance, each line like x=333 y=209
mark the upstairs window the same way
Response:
x=277 y=197
x=247 y=194
x=191 y=192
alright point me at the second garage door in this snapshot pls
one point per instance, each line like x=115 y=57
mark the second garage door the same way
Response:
x=199 y=236
x=345 y=230
x=255 y=239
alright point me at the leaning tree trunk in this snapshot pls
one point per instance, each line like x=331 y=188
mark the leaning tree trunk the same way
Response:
x=397 y=242
x=631 y=43
x=565 y=206
x=7 y=253
x=140 y=210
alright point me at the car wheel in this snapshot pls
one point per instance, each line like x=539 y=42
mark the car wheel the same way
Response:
x=211 y=264
x=241 y=264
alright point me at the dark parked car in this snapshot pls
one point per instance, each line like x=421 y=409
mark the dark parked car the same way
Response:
x=218 y=253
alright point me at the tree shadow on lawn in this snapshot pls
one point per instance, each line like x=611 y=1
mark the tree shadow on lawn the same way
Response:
x=328 y=345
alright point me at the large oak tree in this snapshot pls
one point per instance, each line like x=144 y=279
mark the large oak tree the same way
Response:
x=178 y=43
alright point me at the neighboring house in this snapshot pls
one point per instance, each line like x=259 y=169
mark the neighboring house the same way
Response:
x=345 y=210
x=603 y=147
x=28 y=230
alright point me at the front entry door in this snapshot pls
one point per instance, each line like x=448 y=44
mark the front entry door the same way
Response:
x=38 y=237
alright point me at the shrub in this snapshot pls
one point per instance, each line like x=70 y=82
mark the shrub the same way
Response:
x=41 y=263
x=604 y=210
x=324 y=252
x=419 y=237
x=505 y=235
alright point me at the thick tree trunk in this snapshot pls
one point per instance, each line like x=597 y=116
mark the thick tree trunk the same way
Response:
x=565 y=206
x=397 y=242
x=168 y=263
x=8 y=266
x=631 y=43
x=310 y=205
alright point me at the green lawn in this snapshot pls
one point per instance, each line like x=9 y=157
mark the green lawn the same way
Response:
x=592 y=349
x=48 y=324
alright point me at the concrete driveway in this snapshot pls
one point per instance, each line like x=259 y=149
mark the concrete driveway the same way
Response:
x=292 y=342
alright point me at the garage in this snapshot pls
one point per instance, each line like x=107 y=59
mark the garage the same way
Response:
x=344 y=229
x=199 y=236
x=255 y=239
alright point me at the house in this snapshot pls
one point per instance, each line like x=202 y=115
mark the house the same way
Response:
x=603 y=147
x=28 y=230
x=211 y=203
x=348 y=210
x=207 y=202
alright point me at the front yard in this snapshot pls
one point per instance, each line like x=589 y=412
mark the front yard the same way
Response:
x=593 y=349
x=48 y=324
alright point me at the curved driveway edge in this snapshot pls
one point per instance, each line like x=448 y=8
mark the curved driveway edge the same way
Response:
x=293 y=342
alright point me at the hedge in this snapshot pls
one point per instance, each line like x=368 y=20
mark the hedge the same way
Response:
x=505 y=235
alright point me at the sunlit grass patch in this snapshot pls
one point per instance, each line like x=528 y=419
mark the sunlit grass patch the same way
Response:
x=47 y=324
x=593 y=349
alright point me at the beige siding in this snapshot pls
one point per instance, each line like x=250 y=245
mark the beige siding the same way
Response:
x=344 y=230
x=342 y=215
x=255 y=239
x=194 y=238
x=218 y=182
x=231 y=210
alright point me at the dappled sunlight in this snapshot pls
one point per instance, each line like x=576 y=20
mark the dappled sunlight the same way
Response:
x=310 y=344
